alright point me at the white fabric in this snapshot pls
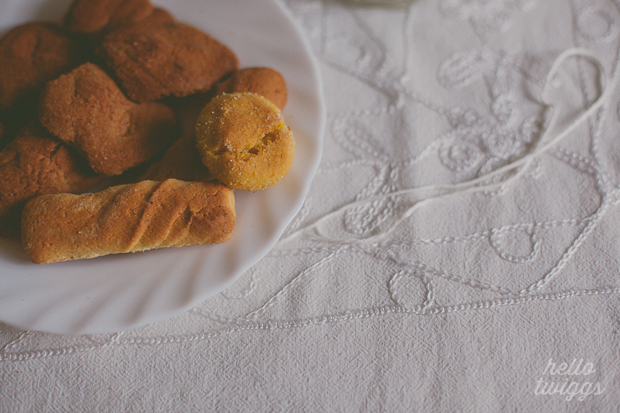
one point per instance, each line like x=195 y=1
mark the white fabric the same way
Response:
x=483 y=299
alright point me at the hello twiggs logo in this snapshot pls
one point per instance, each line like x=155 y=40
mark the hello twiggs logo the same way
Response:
x=571 y=381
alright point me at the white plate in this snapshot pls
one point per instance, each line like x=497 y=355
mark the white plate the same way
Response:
x=121 y=292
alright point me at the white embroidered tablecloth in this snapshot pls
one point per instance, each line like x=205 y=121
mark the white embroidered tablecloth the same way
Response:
x=458 y=250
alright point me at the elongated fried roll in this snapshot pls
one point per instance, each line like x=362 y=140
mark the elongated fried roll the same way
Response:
x=127 y=218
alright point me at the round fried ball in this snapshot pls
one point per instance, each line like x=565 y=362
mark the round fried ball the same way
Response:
x=243 y=140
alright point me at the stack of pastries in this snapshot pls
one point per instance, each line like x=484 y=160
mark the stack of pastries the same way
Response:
x=93 y=160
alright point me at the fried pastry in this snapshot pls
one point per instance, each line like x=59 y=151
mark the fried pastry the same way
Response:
x=86 y=109
x=4 y=132
x=127 y=218
x=181 y=161
x=158 y=16
x=158 y=60
x=31 y=55
x=94 y=17
x=34 y=164
x=263 y=81
x=244 y=142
